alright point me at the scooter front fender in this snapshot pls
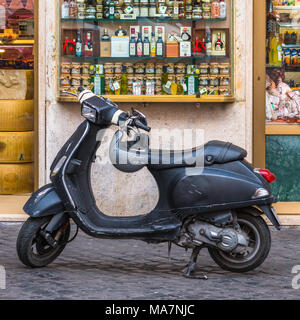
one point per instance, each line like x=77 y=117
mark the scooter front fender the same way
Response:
x=44 y=202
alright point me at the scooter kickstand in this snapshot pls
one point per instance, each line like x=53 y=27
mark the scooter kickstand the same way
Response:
x=191 y=267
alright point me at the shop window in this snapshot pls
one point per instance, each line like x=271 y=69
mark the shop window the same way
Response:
x=147 y=50
x=16 y=96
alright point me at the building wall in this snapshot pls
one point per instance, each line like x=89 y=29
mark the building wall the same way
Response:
x=122 y=194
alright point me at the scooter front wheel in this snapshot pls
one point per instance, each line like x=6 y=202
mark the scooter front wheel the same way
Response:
x=259 y=237
x=32 y=248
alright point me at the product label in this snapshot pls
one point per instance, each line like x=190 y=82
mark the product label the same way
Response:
x=132 y=49
x=159 y=49
x=139 y=49
x=146 y=49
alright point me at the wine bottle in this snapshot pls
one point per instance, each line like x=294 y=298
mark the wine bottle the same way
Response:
x=160 y=44
x=132 y=44
x=78 y=45
x=139 y=46
x=146 y=44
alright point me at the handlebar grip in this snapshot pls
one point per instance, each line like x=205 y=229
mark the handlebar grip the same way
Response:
x=140 y=125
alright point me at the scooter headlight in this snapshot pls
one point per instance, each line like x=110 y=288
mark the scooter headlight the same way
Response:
x=58 y=166
x=89 y=113
x=260 y=193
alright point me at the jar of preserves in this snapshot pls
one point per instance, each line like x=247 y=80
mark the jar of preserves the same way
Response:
x=159 y=68
x=180 y=68
x=150 y=68
x=86 y=81
x=76 y=81
x=65 y=81
x=109 y=68
x=129 y=68
x=214 y=81
x=204 y=80
x=206 y=15
x=225 y=91
x=152 y=10
x=225 y=80
x=170 y=68
x=118 y=68
x=214 y=68
x=85 y=68
x=66 y=68
x=140 y=68
x=144 y=10
x=203 y=68
x=224 y=68
x=76 y=68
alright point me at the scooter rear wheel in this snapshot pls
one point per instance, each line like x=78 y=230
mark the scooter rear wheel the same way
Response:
x=33 y=250
x=257 y=251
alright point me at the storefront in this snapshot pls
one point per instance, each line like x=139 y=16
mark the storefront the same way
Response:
x=276 y=83
x=203 y=78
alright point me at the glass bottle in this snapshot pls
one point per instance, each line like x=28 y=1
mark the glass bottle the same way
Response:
x=78 y=45
x=146 y=44
x=215 y=9
x=223 y=9
x=132 y=44
x=153 y=45
x=139 y=46
x=164 y=79
x=111 y=9
x=124 y=81
x=65 y=13
x=208 y=42
x=159 y=44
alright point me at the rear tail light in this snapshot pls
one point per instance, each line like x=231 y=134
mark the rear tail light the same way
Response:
x=268 y=175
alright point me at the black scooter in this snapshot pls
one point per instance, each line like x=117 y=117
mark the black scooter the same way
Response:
x=217 y=205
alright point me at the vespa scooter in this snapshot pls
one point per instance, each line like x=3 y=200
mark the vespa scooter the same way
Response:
x=217 y=205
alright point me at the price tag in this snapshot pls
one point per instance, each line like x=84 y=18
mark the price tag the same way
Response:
x=116 y=85
x=168 y=84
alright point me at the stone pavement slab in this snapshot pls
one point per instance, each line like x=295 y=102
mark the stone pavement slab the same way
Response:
x=110 y=269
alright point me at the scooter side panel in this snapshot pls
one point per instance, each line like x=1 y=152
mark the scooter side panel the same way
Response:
x=213 y=188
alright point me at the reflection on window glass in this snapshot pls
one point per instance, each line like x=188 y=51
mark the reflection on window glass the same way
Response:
x=283 y=61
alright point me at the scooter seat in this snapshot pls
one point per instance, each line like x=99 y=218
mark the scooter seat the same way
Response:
x=213 y=152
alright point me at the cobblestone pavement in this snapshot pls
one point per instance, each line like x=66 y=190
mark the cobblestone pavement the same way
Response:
x=102 y=269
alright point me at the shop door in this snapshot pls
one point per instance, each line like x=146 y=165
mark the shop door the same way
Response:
x=17 y=135
x=277 y=100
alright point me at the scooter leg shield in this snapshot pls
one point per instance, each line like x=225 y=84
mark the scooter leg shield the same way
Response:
x=44 y=202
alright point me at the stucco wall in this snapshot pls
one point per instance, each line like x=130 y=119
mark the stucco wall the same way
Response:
x=122 y=194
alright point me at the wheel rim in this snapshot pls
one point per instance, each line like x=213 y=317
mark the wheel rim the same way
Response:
x=254 y=240
x=39 y=246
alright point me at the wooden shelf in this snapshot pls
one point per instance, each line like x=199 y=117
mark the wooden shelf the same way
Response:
x=283 y=129
x=19 y=42
x=159 y=98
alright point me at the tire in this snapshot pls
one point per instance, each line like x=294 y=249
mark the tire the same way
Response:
x=240 y=263
x=29 y=239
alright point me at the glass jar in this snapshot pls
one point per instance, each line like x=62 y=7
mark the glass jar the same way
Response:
x=66 y=68
x=225 y=81
x=85 y=68
x=138 y=86
x=214 y=68
x=90 y=12
x=118 y=68
x=117 y=84
x=159 y=68
x=150 y=86
x=181 y=86
x=129 y=68
x=136 y=10
x=152 y=10
x=80 y=14
x=76 y=81
x=76 y=68
x=140 y=68
x=86 y=81
x=203 y=68
x=170 y=68
x=65 y=81
x=150 y=68
x=224 y=68
x=180 y=68
x=144 y=10
x=109 y=88
x=206 y=15
x=214 y=81
x=225 y=91
x=109 y=68
x=203 y=80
